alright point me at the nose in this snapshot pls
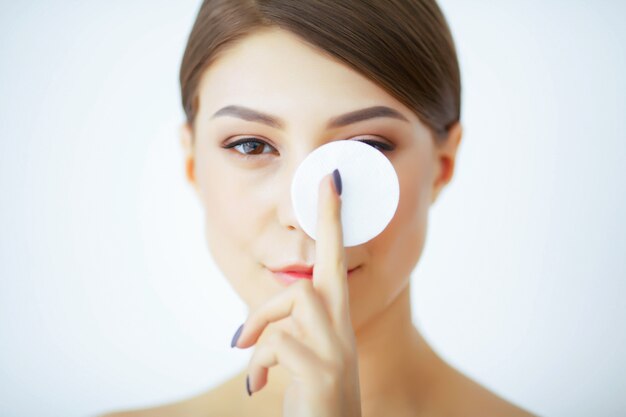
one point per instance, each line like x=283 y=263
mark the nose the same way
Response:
x=285 y=211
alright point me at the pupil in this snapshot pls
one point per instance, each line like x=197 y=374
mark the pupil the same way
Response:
x=251 y=146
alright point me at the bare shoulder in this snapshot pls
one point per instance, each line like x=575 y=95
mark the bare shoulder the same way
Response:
x=218 y=401
x=460 y=395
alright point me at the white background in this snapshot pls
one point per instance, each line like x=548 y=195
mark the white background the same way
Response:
x=109 y=298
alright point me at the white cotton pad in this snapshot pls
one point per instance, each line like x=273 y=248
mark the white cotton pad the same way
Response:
x=370 y=189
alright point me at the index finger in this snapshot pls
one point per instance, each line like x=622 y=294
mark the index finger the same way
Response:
x=330 y=275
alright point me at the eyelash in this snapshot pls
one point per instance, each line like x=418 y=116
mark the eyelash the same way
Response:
x=374 y=143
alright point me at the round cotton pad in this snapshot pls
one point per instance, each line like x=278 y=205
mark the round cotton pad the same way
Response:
x=370 y=189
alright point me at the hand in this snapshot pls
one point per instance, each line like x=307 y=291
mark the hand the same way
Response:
x=322 y=357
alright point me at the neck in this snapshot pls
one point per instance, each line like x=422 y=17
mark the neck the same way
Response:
x=391 y=352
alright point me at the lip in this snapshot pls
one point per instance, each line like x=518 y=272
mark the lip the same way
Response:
x=299 y=268
x=288 y=276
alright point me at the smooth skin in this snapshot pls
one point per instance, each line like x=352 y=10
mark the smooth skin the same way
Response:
x=321 y=355
x=250 y=226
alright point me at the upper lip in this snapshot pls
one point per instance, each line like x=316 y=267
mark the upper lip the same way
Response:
x=301 y=268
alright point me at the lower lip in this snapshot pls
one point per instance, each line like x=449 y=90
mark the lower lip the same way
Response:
x=291 y=277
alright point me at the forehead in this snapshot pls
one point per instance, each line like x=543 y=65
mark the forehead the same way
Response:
x=277 y=71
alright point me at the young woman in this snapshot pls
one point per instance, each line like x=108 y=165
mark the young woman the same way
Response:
x=264 y=83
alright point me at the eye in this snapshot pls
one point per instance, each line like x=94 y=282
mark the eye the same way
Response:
x=381 y=146
x=249 y=146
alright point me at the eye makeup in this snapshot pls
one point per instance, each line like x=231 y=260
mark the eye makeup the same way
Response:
x=245 y=142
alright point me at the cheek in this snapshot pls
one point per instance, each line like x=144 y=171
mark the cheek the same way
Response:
x=231 y=215
x=393 y=254
x=396 y=251
x=221 y=205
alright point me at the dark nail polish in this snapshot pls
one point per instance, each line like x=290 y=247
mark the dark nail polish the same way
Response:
x=337 y=178
x=236 y=336
x=248 y=385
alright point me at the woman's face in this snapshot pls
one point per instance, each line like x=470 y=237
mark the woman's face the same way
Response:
x=245 y=190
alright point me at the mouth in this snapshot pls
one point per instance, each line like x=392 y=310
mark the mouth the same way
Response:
x=289 y=277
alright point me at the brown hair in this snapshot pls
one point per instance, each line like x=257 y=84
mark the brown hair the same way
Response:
x=405 y=46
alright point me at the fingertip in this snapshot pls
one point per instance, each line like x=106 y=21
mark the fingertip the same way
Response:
x=248 y=385
x=329 y=202
x=337 y=181
x=236 y=336
x=327 y=185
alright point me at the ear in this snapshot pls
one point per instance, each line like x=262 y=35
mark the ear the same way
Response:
x=186 y=141
x=445 y=155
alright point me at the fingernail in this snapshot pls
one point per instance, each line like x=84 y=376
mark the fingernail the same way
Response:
x=337 y=178
x=248 y=385
x=236 y=336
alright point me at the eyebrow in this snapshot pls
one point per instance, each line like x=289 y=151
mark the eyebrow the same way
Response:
x=338 y=121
